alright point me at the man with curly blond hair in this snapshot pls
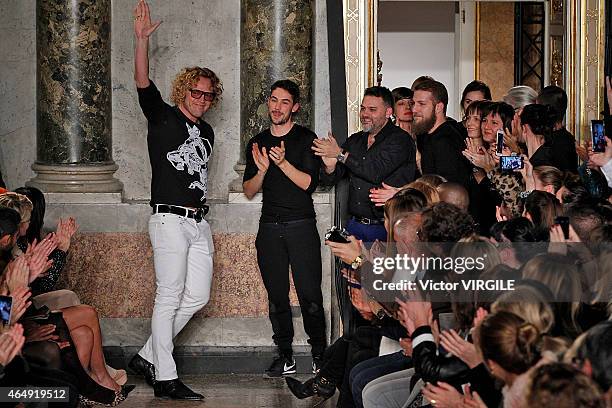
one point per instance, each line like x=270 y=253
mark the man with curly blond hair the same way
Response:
x=180 y=143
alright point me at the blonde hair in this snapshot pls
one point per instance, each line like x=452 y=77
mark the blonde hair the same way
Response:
x=19 y=203
x=560 y=275
x=529 y=304
x=431 y=193
x=188 y=77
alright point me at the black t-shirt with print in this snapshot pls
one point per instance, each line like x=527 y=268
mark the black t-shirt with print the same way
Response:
x=283 y=200
x=179 y=150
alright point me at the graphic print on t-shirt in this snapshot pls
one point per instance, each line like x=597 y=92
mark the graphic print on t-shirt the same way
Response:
x=193 y=156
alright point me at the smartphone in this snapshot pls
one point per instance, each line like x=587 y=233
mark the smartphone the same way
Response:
x=6 y=306
x=499 y=139
x=336 y=234
x=564 y=223
x=511 y=163
x=597 y=135
x=447 y=321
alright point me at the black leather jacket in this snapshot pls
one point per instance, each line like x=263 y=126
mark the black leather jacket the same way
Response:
x=432 y=367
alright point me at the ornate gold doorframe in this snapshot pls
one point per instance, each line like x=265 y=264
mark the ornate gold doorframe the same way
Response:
x=360 y=54
x=584 y=75
x=581 y=66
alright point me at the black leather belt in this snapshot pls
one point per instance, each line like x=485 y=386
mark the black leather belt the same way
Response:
x=197 y=214
x=368 y=221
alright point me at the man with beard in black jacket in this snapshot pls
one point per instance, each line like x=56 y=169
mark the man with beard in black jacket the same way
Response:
x=442 y=143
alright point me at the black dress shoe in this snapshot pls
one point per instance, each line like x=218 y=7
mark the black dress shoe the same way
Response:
x=175 y=389
x=313 y=386
x=127 y=388
x=142 y=367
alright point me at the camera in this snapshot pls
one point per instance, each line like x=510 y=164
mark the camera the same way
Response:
x=337 y=234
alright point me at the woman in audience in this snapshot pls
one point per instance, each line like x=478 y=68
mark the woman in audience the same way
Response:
x=64 y=233
x=474 y=91
x=593 y=356
x=511 y=348
x=496 y=117
x=537 y=123
x=560 y=274
x=563 y=386
x=542 y=208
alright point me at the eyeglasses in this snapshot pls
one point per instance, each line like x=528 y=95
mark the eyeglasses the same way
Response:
x=197 y=94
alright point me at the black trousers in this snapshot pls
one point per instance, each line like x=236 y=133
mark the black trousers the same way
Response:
x=294 y=243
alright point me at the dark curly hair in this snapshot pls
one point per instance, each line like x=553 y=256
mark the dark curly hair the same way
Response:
x=444 y=222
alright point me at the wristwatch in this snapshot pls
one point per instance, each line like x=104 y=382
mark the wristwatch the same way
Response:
x=341 y=157
x=356 y=264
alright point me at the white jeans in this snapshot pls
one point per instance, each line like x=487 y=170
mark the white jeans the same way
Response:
x=183 y=256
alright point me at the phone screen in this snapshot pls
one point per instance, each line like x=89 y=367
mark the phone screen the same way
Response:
x=510 y=163
x=597 y=133
x=499 y=148
x=6 y=304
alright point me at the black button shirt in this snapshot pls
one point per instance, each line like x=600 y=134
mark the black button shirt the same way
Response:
x=391 y=159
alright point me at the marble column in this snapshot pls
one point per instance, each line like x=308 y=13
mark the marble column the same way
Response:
x=74 y=111
x=275 y=43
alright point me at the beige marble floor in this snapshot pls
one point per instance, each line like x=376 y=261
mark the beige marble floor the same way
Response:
x=226 y=391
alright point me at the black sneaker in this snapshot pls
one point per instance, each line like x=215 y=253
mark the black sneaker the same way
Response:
x=317 y=363
x=282 y=365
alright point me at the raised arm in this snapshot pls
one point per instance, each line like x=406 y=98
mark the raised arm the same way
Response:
x=143 y=28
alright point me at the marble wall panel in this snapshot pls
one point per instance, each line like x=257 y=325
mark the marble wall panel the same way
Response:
x=17 y=90
x=114 y=272
x=497 y=47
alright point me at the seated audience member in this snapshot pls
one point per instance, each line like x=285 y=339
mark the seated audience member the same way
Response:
x=561 y=142
x=64 y=233
x=542 y=208
x=9 y=226
x=511 y=349
x=584 y=218
x=593 y=356
x=426 y=184
x=573 y=191
x=560 y=275
x=454 y=193
x=546 y=178
x=347 y=352
x=430 y=192
x=442 y=143
x=562 y=386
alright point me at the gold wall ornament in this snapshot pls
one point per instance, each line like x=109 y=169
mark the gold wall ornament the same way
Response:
x=556 y=66
x=359 y=46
